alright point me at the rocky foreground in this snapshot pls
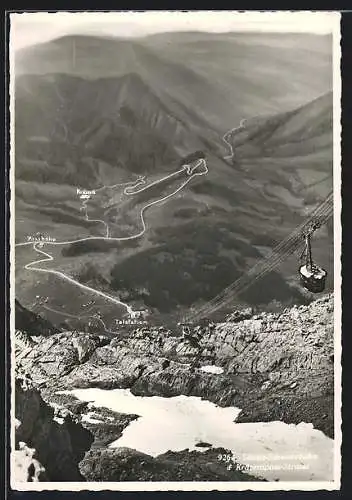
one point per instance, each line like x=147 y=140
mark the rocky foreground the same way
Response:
x=275 y=367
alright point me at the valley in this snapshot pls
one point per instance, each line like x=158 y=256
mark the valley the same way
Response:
x=150 y=233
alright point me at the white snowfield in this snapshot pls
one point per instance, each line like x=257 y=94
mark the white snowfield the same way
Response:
x=271 y=450
x=217 y=370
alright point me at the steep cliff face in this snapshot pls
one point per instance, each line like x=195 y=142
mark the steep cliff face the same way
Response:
x=274 y=366
x=49 y=442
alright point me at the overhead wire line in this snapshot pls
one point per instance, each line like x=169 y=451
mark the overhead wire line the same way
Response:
x=269 y=268
x=271 y=261
x=278 y=254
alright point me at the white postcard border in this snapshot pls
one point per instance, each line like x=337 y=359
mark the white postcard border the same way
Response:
x=211 y=485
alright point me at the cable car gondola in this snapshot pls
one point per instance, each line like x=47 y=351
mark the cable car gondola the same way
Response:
x=312 y=277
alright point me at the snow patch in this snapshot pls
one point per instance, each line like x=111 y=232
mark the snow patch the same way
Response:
x=212 y=369
x=272 y=450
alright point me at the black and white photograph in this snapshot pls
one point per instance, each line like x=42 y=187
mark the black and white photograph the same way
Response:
x=175 y=243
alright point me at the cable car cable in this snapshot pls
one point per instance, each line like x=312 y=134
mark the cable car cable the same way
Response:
x=266 y=269
x=237 y=285
x=272 y=261
x=245 y=286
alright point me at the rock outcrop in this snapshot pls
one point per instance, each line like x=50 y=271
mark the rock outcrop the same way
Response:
x=26 y=467
x=49 y=442
x=125 y=464
x=275 y=366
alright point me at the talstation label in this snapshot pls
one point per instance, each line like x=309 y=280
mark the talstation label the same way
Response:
x=130 y=322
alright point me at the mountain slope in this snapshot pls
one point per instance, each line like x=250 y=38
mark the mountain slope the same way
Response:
x=32 y=323
x=313 y=121
x=153 y=102
x=124 y=125
x=296 y=146
x=226 y=77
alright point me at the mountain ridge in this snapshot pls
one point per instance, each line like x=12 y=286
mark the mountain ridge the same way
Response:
x=255 y=65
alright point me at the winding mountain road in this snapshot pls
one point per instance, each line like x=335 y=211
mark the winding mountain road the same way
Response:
x=241 y=126
x=33 y=266
x=129 y=190
x=187 y=168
